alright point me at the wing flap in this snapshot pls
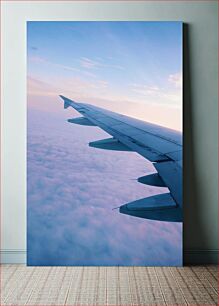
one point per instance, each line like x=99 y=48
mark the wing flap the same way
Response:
x=170 y=172
x=109 y=144
x=152 y=180
x=81 y=121
x=159 y=207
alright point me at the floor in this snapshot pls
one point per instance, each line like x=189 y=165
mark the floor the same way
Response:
x=103 y=286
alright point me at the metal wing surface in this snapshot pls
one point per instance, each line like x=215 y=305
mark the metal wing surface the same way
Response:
x=160 y=145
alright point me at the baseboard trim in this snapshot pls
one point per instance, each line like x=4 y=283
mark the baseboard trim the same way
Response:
x=191 y=257
x=13 y=256
x=200 y=257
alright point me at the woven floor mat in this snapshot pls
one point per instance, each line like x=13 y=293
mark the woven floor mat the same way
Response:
x=113 y=286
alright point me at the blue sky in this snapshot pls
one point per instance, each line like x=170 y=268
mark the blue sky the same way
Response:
x=136 y=62
x=145 y=51
x=134 y=68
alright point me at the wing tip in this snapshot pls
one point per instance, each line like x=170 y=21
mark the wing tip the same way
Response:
x=62 y=97
x=67 y=102
x=67 y=99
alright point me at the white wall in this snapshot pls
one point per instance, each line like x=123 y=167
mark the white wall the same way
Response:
x=200 y=117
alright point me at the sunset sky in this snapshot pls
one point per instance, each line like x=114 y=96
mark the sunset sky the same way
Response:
x=134 y=68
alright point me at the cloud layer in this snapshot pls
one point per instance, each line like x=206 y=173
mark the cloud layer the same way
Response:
x=72 y=189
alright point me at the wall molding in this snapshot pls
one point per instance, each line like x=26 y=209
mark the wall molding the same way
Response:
x=200 y=257
x=191 y=257
x=12 y=256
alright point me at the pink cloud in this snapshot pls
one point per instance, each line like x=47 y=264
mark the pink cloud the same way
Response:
x=88 y=63
x=176 y=79
x=44 y=96
x=94 y=64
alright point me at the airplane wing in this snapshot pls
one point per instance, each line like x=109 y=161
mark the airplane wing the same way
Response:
x=160 y=145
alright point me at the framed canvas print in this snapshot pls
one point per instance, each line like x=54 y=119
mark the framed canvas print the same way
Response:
x=104 y=160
